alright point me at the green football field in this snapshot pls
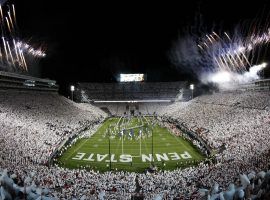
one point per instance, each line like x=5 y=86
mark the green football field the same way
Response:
x=141 y=143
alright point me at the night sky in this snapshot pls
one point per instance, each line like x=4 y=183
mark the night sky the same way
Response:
x=95 y=42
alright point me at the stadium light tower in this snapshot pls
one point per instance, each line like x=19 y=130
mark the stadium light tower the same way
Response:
x=72 y=88
x=192 y=88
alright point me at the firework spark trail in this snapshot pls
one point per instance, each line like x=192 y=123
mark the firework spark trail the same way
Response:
x=10 y=20
x=20 y=54
x=22 y=59
x=8 y=24
x=25 y=65
x=14 y=14
x=1 y=12
x=5 y=47
x=16 y=51
x=12 y=60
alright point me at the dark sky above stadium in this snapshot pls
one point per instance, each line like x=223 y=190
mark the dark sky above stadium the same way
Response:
x=96 y=41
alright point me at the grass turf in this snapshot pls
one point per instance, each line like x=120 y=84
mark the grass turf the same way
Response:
x=163 y=142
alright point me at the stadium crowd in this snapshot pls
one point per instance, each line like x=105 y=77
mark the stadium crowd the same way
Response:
x=34 y=124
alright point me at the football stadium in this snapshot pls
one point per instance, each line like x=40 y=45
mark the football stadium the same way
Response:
x=73 y=135
x=131 y=147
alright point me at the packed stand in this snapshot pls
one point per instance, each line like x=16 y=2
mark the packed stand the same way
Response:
x=33 y=124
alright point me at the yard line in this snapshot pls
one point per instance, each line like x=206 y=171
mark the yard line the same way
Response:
x=77 y=149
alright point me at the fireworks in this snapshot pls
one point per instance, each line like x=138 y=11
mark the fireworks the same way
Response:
x=13 y=51
x=231 y=53
x=224 y=56
x=222 y=77
x=30 y=50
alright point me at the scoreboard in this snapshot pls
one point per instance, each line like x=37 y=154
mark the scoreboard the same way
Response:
x=132 y=77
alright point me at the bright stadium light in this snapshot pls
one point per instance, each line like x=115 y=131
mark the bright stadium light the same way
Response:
x=72 y=88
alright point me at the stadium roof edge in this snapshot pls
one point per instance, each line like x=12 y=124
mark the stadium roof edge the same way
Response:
x=136 y=82
x=135 y=101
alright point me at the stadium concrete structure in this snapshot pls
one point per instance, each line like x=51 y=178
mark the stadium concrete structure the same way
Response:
x=36 y=122
x=132 y=97
x=132 y=91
